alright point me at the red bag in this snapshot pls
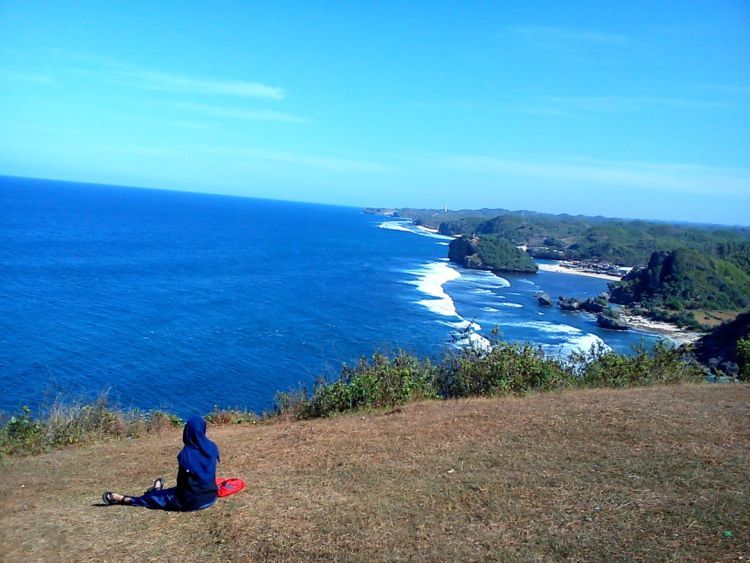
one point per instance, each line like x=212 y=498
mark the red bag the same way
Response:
x=229 y=486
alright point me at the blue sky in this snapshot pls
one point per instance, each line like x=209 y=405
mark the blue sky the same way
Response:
x=631 y=109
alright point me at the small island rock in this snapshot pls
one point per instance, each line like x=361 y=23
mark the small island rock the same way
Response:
x=568 y=303
x=610 y=319
x=544 y=299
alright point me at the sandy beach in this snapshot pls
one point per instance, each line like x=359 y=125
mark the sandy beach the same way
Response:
x=563 y=270
x=673 y=332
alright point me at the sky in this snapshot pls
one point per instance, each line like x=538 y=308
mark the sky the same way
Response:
x=625 y=109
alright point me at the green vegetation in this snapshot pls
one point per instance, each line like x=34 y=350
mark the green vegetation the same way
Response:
x=379 y=383
x=726 y=348
x=376 y=383
x=504 y=369
x=692 y=273
x=63 y=425
x=743 y=358
x=490 y=253
x=683 y=279
x=628 y=243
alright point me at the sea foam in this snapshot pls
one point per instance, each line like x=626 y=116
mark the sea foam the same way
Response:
x=409 y=227
x=543 y=326
x=582 y=343
x=430 y=280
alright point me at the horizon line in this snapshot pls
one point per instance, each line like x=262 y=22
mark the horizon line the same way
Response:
x=362 y=207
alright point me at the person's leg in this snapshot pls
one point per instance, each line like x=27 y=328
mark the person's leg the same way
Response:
x=158 y=499
x=156 y=486
x=114 y=498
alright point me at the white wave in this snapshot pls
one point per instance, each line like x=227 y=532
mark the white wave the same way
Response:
x=527 y=281
x=474 y=339
x=491 y=309
x=514 y=305
x=409 y=227
x=430 y=280
x=483 y=278
x=483 y=291
x=420 y=230
x=582 y=343
x=395 y=226
x=464 y=324
x=444 y=244
x=544 y=326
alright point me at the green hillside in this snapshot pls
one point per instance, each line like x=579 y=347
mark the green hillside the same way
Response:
x=628 y=243
x=685 y=280
x=490 y=253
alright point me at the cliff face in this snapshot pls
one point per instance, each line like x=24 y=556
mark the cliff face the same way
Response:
x=718 y=348
x=490 y=253
x=685 y=279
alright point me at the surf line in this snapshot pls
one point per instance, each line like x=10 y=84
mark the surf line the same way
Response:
x=430 y=280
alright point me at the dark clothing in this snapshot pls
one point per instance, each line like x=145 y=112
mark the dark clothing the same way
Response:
x=196 y=476
x=200 y=454
x=165 y=499
x=194 y=491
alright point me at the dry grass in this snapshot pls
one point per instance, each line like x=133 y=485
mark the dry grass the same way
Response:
x=655 y=473
x=713 y=319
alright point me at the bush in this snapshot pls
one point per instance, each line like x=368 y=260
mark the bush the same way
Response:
x=383 y=382
x=231 y=416
x=743 y=358
x=503 y=369
x=664 y=364
x=64 y=424
x=376 y=383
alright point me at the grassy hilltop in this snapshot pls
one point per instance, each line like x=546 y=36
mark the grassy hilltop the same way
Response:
x=656 y=473
x=505 y=454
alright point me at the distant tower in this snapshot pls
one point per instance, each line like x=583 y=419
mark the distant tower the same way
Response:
x=446 y=208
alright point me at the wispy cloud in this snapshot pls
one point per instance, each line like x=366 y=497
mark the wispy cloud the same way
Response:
x=683 y=178
x=559 y=35
x=249 y=156
x=242 y=114
x=157 y=80
x=111 y=70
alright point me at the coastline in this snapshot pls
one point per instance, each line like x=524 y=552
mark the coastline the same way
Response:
x=678 y=335
x=562 y=270
x=675 y=333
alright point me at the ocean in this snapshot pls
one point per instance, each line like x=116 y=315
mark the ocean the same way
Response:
x=184 y=301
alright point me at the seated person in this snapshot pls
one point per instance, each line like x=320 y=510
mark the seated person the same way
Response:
x=196 y=477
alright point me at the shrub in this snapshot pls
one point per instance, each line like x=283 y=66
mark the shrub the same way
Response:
x=505 y=368
x=64 y=424
x=743 y=358
x=231 y=416
x=375 y=383
x=664 y=364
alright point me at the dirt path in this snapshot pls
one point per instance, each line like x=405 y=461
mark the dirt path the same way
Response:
x=657 y=473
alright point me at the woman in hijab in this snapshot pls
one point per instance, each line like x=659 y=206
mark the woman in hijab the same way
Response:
x=196 y=477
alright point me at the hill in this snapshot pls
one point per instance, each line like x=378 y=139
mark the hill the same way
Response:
x=576 y=237
x=694 y=275
x=490 y=253
x=725 y=345
x=679 y=281
x=652 y=474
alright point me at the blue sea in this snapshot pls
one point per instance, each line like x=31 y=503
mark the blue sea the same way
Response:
x=186 y=301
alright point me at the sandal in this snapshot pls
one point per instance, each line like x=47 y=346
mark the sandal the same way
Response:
x=108 y=499
x=157 y=486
